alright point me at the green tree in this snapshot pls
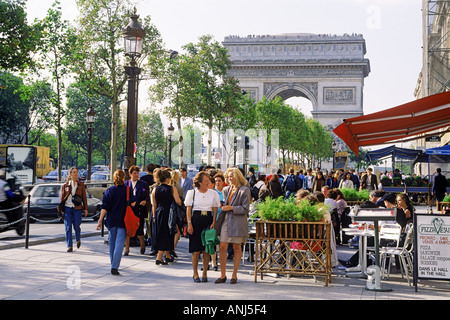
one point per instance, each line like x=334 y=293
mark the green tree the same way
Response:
x=216 y=93
x=98 y=59
x=57 y=42
x=13 y=109
x=174 y=88
x=18 y=39
x=150 y=133
x=79 y=98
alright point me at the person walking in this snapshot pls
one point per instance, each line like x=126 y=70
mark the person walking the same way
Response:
x=234 y=228
x=73 y=195
x=439 y=185
x=291 y=184
x=114 y=205
x=346 y=182
x=139 y=196
x=369 y=180
x=162 y=198
x=185 y=182
x=201 y=213
x=318 y=182
x=274 y=186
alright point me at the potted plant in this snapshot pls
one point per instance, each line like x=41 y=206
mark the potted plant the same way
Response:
x=385 y=181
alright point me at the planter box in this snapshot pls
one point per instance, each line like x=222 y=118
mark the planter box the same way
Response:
x=293 y=248
x=440 y=205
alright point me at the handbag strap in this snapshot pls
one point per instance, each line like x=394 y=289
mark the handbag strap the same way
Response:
x=128 y=193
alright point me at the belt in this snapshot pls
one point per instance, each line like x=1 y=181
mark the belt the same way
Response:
x=202 y=212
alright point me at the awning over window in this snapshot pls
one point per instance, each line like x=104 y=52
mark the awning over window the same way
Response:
x=401 y=153
x=405 y=121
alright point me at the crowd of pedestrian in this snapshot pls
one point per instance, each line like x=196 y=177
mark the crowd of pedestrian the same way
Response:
x=214 y=204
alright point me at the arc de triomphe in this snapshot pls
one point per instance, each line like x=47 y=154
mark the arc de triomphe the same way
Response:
x=329 y=70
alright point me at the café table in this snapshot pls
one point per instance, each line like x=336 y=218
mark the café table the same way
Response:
x=361 y=268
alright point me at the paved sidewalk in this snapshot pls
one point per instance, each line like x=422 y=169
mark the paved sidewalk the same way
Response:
x=46 y=271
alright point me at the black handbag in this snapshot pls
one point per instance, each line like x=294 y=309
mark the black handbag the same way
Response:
x=77 y=200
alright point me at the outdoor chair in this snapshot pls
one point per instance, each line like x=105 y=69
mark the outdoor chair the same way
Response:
x=403 y=252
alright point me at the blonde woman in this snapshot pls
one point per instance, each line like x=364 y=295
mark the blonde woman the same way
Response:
x=73 y=193
x=234 y=228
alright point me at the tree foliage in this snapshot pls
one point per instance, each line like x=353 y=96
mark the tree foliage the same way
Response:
x=18 y=39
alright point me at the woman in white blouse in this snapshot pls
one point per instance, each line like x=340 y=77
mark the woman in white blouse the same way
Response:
x=201 y=204
x=346 y=182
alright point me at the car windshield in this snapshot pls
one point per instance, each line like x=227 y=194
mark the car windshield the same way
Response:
x=47 y=191
x=98 y=177
x=53 y=173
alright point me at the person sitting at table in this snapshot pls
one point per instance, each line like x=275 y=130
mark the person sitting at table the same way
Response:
x=354 y=260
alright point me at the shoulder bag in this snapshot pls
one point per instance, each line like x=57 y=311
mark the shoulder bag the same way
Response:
x=131 y=220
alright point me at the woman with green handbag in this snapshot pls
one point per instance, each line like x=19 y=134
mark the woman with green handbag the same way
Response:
x=201 y=213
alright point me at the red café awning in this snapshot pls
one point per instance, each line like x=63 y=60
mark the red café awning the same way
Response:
x=405 y=121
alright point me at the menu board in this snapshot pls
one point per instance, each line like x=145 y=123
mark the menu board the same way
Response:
x=433 y=246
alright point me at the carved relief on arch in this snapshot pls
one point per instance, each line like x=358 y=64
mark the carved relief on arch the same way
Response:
x=288 y=90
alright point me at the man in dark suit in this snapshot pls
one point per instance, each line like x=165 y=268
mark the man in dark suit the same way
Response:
x=138 y=198
x=185 y=182
x=369 y=180
x=439 y=185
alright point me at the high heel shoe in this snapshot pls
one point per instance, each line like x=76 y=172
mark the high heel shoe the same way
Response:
x=170 y=259
x=158 y=262
x=221 y=280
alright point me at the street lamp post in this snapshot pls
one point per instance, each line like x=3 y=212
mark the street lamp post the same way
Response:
x=134 y=36
x=334 y=147
x=90 y=118
x=170 y=131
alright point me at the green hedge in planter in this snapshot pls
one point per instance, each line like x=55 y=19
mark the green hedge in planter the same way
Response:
x=355 y=195
x=282 y=210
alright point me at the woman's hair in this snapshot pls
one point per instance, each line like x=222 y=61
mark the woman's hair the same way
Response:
x=199 y=178
x=312 y=199
x=161 y=175
x=317 y=175
x=175 y=175
x=302 y=193
x=407 y=201
x=118 y=177
x=133 y=168
x=320 y=196
x=339 y=193
x=274 y=178
x=238 y=177
x=69 y=177
x=219 y=175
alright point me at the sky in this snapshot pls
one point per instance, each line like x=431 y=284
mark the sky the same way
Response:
x=391 y=28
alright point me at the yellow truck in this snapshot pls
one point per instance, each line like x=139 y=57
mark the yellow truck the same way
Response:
x=44 y=164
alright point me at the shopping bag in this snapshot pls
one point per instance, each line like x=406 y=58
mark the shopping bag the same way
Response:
x=131 y=220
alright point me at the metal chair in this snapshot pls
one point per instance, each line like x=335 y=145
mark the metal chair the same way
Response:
x=404 y=253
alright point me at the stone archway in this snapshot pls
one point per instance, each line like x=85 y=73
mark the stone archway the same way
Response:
x=329 y=70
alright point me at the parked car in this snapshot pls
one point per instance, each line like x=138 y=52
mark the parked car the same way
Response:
x=100 y=176
x=45 y=199
x=53 y=175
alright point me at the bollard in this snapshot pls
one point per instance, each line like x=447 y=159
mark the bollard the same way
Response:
x=27 y=234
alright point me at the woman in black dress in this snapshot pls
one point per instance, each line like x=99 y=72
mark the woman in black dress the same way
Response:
x=162 y=198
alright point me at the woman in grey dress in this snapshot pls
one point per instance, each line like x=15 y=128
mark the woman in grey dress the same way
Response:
x=235 y=227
